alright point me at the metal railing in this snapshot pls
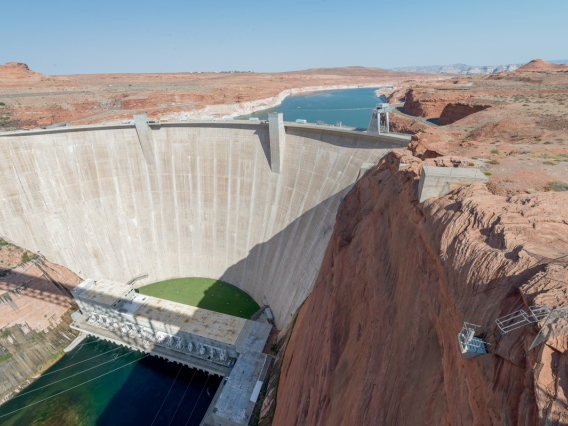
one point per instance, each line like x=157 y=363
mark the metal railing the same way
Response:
x=521 y=318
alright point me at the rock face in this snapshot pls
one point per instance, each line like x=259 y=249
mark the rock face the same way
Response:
x=376 y=341
x=455 y=111
x=34 y=315
x=424 y=104
x=17 y=72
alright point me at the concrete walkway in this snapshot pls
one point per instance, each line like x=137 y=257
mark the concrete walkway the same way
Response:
x=74 y=343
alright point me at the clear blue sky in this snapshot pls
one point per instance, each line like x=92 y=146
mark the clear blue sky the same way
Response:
x=102 y=36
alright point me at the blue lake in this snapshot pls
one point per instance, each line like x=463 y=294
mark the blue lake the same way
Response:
x=352 y=107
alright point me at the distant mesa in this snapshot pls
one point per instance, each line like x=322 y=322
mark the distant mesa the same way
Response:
x=540 y=66
x=462 y=69
x=18 y=71
x=348 y=71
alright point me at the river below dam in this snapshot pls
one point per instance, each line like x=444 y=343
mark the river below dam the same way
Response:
x=99 y=383
x=351 y=107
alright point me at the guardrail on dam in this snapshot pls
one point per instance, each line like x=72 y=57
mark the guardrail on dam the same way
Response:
x=209 y=206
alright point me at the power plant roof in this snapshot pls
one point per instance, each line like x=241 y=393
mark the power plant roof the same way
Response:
x=105 y=291
x=191 y=319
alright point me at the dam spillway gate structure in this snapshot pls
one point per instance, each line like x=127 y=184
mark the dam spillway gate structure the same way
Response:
x=217 y=343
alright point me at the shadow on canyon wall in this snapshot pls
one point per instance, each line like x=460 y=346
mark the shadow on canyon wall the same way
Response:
x=45 y=288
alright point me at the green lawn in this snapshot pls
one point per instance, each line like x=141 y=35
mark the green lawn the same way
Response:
x=205 y=293
x=5 y=357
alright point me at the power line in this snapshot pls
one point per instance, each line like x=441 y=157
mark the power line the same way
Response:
x=76 y=386
x=197 y=400
x=168 y=394
x=90 y=343
x=68 y=377
x=183 y=396
x=51 y=372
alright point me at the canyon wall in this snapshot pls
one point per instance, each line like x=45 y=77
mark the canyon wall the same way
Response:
x=421 y=103
x=455 y=111
x=35 y=306
x=209 y=207
x=376 y=341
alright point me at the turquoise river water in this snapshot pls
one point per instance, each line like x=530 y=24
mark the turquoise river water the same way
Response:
x=102 y=384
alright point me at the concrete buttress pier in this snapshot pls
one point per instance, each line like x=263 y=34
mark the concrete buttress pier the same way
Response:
x=439 y=181
x=145 y=138
x=277 y=139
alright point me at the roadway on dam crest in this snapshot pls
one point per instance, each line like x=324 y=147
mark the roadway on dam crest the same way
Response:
x=210 y=206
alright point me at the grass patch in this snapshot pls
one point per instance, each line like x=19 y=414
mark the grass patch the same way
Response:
x=550 y=163
x=5 y=358
x=471 y=164
x=547 y=156
x=495 y=152
x=556 y=186
x=26 y=257
x=538 y=139
x=54 y=355
x=494 y=162
x=204 y=293
x=487 y=173
x=274 y=348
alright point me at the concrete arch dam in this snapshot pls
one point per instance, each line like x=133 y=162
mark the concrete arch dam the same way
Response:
x=207 y=203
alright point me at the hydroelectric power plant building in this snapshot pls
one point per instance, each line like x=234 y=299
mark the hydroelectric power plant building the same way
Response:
x=214 y=342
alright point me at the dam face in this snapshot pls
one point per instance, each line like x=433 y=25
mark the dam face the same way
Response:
x=209 y=206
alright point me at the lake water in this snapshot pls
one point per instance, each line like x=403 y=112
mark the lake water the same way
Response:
x=352 y=107
x=135 y=394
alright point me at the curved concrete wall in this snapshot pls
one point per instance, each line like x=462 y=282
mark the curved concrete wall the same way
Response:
x=209 y=207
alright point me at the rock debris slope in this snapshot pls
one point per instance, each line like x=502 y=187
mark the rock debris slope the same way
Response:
x=376 y=341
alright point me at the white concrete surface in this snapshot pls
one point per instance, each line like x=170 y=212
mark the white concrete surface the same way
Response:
x=439 y=181
x=209 y=207
x=277 y=139
x=145 y=137
x=74 y=343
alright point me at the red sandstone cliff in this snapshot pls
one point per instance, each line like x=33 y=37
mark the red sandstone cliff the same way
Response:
x=376 y=341
x=455 y=111
x=14 y=72
x=35 y=307
x=423 y=103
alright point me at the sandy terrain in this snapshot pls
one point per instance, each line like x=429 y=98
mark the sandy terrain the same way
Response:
x=512 y=125
x=35 y=100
